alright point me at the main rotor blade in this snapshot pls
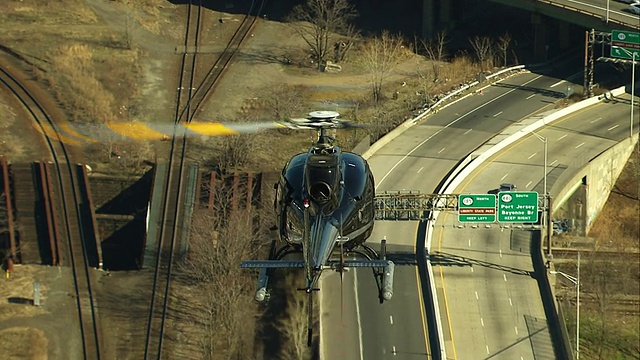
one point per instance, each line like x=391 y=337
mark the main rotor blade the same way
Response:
x=77 y=133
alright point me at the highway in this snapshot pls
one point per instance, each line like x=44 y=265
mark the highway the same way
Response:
x=594 y=12
x=490 y=295
x=617 y=10
x=417 y=160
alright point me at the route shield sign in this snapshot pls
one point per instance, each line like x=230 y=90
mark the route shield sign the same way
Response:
x=624 y=44
x=518 y=206
x=477 y=208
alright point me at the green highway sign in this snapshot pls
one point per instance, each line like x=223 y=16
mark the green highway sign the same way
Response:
x=477 y=208
x=624 y=53
x=518 y=206
x=624 y=43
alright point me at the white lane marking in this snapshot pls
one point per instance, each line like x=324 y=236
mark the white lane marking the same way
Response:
x=530 y=96
x=476 y=295
x=420 y=169
x=592 y=121
x=441 y=150
x=466 y=132
x=505 y=175
x=394 y=350
x=527 y=186
x=500 y=252
x=391 y=319
x=469 y=242
x=516 y=330
x=504 y=276
x=613 y=127
x=355 y=289
x=471 y=268
x=510 y=303
x=532 y=155
x=482 y=321
x=582 y=143
x=447 y=126
x=562 y=137
x=497 y=114
x=487 y=349
x=558 y=83
x=553 y=162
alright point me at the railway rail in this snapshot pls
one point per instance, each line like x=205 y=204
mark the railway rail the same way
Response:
x=613 y=304
x=69 y=191
x=601 y=255
x=169 y=233
x=189 y=98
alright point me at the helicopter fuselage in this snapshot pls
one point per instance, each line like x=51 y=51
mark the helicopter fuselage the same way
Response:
x=337 y=188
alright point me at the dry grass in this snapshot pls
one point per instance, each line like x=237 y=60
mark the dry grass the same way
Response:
x=46 y=12
x=606 y=334
x=618 y=223
x=24 y=343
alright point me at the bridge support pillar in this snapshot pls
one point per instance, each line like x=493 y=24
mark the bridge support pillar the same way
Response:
x=564 y=36
x=445 y=14
x=540 y=46
x=428 y=19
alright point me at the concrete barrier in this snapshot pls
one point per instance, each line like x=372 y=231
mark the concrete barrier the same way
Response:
x=410 y=122
x=472 y=162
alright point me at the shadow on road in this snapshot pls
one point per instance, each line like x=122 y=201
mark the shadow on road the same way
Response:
x=445 y=259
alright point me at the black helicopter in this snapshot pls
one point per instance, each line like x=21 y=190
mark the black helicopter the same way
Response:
x=325 y=206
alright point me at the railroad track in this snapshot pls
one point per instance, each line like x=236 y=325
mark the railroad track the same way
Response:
x=189 y=98
x=168 y=237
x=587 y=255
x=208 y=83
x=625 y=306
x=74 y=234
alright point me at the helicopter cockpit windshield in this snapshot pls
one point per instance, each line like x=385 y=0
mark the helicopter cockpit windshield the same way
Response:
x=322 y=175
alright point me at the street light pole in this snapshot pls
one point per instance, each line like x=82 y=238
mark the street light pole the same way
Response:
x=633 y=87
x=545 y=195
x=576 y=281
x=578 y=311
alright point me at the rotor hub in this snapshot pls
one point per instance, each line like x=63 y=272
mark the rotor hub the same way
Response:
x=323 y=114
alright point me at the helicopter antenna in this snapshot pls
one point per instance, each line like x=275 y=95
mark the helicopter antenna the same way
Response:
x=341 y=241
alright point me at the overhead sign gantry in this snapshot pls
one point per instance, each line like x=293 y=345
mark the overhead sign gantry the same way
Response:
x=517 y=207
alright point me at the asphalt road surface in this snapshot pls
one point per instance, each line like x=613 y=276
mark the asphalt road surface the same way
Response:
x=487 y=291
x=417 y=160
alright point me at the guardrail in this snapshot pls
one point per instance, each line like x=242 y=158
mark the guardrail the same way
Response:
x=585 y=12
x=441 y=103
x=466 y=166
x=410 y=122
x=469 y=163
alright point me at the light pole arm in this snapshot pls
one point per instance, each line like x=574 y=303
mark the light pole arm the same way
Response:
x=573 y=279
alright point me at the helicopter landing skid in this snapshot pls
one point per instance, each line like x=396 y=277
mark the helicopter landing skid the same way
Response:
x=382 y=274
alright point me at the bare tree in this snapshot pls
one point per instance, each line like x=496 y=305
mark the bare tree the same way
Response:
x=381 y=55
x=436 y=51
x=294 y=324
x=600 y=281
x=283 y=101
x=503 y=45
x=482 y=47
x=216 y=248
x=233 y=151
x=426 y=79
x=342 y=47
x=319 y=22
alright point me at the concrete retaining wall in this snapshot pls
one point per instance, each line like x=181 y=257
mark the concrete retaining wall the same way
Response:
x=601 y=174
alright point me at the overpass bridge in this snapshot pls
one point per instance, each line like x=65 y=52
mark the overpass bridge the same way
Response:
x=557 y=19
